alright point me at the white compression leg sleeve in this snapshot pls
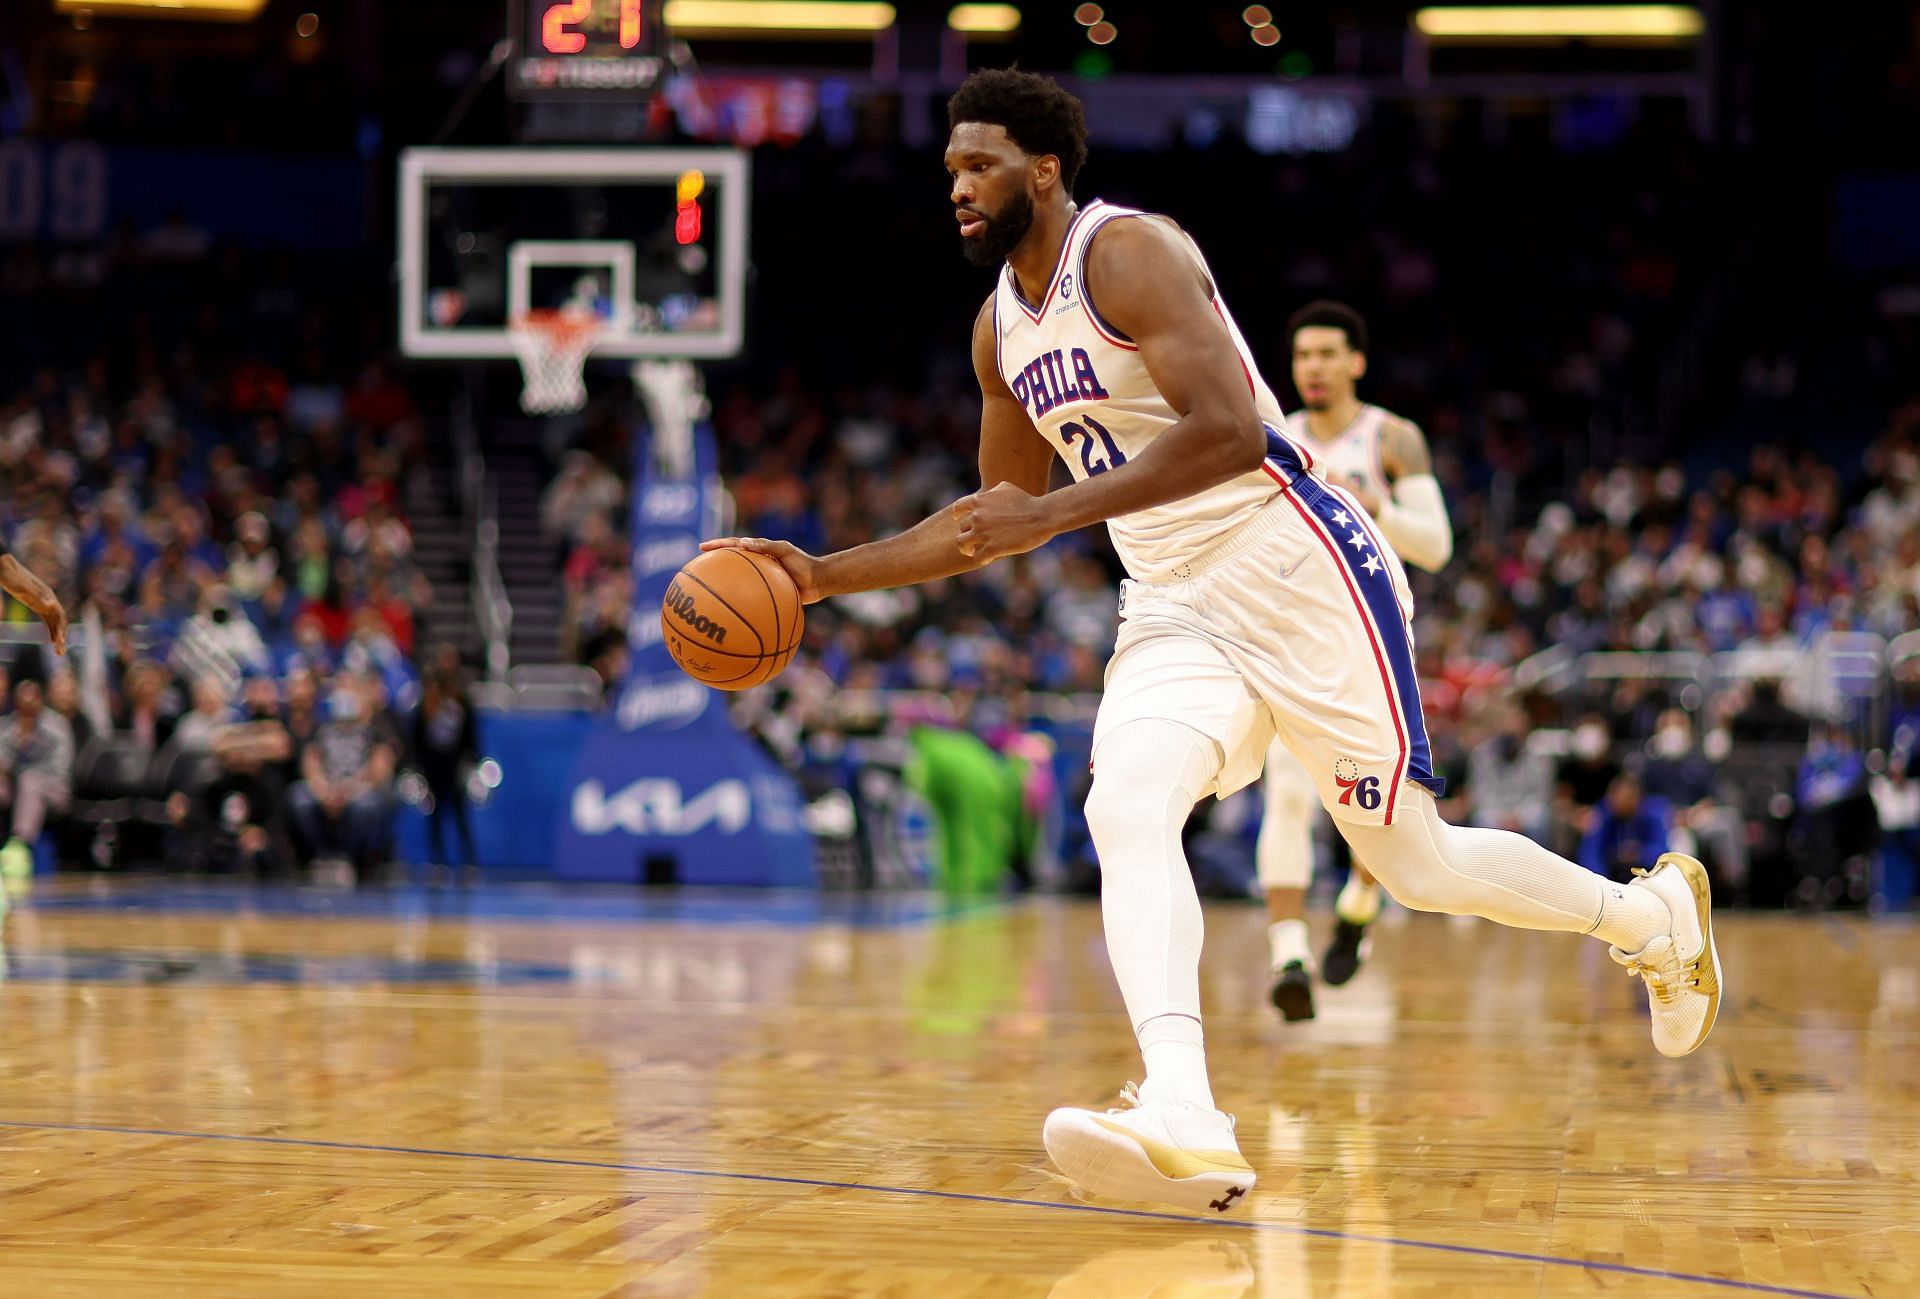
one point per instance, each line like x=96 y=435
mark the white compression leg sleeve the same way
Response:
x=1432 y=866
x=1147 y=775
x=1284 y=852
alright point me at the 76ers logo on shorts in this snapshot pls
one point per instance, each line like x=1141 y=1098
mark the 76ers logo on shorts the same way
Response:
x=1355 y=788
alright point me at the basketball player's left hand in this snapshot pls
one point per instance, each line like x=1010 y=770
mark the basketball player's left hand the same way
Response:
x=1369 y=501
x=1001 y=520
x=18 y=581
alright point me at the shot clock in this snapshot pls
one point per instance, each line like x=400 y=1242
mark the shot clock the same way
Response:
x=584 y=49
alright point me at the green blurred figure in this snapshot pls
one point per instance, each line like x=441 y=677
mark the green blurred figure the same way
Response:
x=981 y=823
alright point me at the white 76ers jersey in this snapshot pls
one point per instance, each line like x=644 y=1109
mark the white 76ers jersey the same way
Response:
x=1351 y=457
x=1086 y=389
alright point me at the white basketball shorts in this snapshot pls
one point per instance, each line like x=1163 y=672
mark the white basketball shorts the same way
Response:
x=1295 y=626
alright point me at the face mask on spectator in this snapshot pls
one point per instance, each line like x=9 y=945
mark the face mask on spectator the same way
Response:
x=1671 y=742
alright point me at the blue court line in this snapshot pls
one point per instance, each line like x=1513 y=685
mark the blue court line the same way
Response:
x=534 y=902
x=1244 y=1224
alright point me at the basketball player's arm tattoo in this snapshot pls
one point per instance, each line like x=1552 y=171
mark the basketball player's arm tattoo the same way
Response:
x=1149 y=286
x=1403 y=449
x=1414 y=517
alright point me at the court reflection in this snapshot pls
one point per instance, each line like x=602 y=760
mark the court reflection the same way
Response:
x=1212 y=1266
x=630 y=1098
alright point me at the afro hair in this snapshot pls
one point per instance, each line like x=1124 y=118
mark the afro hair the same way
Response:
x=1037 y=114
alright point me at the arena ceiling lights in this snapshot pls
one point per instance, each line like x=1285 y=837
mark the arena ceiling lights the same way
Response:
x=984 y=20
x=757 y=19
x=1474 y=24
x=226 y=11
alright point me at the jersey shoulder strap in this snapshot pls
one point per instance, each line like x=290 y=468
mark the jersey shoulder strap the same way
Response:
x=1103 y=213
x=1099 y=218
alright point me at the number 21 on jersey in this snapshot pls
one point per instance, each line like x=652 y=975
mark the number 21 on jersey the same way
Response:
x=1097 y=450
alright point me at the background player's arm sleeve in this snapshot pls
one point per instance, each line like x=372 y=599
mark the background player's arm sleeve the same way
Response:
x=1416 y=524
x=1414 y=517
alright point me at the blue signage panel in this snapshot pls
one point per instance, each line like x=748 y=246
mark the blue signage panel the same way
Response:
x=665 y=786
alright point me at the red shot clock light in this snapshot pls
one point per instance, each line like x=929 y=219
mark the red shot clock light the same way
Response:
x=686 y=219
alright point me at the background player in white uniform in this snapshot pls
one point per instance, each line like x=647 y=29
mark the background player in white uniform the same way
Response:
x=1259 y=600
x=1382 y=461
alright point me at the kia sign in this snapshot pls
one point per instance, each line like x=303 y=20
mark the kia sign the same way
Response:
x=707 y=801
x=660 y=806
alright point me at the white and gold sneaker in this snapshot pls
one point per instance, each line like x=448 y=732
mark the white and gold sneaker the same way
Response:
x=1168 y=1152
x=1681 y=968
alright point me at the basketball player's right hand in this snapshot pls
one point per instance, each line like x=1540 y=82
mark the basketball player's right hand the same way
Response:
x=803 y=568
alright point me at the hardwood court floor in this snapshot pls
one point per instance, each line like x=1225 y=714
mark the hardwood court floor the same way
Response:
x=528 y=1093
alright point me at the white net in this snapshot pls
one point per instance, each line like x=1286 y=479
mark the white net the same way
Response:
x=676 y=401
x=553 y=347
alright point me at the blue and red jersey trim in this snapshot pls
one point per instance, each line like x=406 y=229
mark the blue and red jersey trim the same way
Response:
x=1344 y=530
x=1059 y=269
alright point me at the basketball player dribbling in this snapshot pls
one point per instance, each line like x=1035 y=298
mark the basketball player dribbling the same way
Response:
x=1381 y=461
x=1260 y=601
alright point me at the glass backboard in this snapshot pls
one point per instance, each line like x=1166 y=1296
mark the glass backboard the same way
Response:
x=653 y=240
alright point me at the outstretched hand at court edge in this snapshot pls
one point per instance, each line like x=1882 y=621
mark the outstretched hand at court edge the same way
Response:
x=22 y=585
x=803 y=568
x=1002 y=520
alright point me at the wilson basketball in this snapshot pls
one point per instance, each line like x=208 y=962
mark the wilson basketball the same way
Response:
x=732 y=618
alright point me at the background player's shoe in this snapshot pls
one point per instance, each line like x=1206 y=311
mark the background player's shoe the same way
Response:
x=1167 y=1152
x=1681 y=969
x=1292 y=993
x=1356 y=906
x=1345 y=953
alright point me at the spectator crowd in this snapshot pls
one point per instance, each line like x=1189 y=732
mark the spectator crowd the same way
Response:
x=227 y=520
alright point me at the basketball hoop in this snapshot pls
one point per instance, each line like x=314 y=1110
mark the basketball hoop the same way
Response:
x=553 y=347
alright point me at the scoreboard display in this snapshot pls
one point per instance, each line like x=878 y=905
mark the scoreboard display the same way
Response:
x=574 y=49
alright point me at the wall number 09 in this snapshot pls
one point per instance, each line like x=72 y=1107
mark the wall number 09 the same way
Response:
x=554 y=24
x=61 y=190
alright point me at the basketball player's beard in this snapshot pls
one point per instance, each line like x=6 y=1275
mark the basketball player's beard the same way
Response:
x=1003 y=234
